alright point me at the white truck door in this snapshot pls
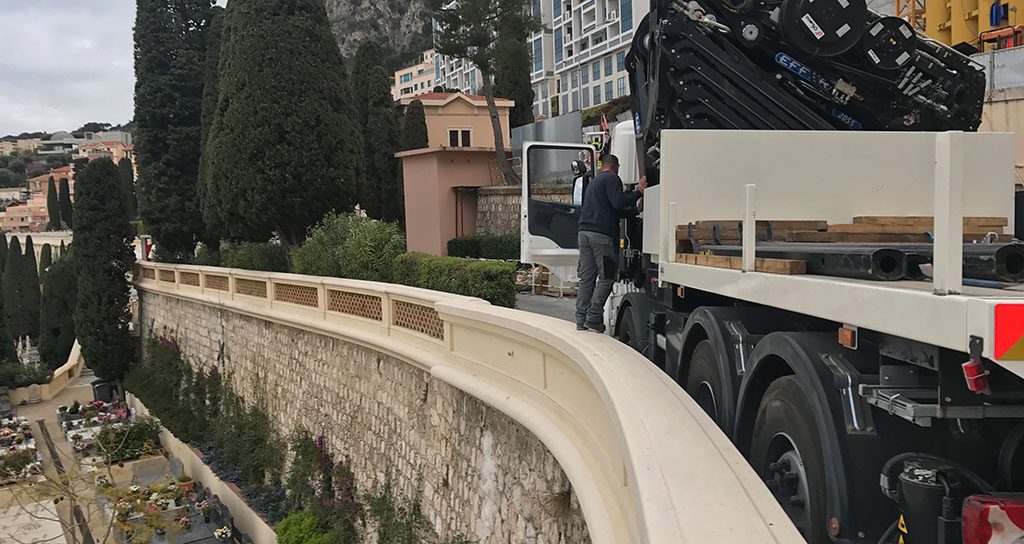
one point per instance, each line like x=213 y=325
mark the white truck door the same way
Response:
x=548 y=217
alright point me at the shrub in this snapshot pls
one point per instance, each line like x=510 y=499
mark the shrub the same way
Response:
x=371 y=249
x=493 y=281
x=485 y=246
x=267 y=257
x=207 y=256
x=302 y=528
x=321 y=253
x=14 y=374
x=347 y=246
x=129 y=440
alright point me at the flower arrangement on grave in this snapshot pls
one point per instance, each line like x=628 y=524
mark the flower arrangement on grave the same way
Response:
x=204 y=508
x=223 y=533
x=185 y=523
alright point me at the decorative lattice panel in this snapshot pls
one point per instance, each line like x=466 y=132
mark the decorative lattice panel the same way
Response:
x=358 y=304
x=167 y=275
x=303 y=295
x=217 y=283
x=253 y=288
x=190 y=278
x=149 y=273
x=419 y=318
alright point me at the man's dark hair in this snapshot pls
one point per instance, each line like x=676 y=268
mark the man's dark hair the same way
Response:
x=609 y=160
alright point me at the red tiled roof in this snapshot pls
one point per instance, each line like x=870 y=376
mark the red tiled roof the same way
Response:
x=446 y=96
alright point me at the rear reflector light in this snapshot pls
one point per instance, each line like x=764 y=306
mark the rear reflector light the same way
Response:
x=993 y=519
x=976 y=376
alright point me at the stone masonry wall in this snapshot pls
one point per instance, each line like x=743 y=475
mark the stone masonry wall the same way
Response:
x=497 y=208
x=476 y=471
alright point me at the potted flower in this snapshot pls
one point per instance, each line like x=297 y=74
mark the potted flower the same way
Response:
x=186 y=483
x=222 y=534
x=204 y=508
x=185 y=523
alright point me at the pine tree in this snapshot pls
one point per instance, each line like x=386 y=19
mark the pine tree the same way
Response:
x=378 y=191
x=30 y=289
x=472 y=29
x=127 y=175
x=414 y=127
x=45 y=260
x=56 y=315
x=280 y=151
x=512 y=66
x=64 y=202
x=102 y=256
x=14 y=299
x=211 y=82
x=52 y=206
x=170 y=43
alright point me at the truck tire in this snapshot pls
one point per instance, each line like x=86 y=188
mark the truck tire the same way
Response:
x=627 y=329
x=704 y=383
x=786 y=452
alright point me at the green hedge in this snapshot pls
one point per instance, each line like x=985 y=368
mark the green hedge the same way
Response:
x=485 y=246
x=254 y=256
x=493 y=281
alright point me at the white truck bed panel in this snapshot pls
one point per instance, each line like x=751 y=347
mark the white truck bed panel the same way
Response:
x=905 y=308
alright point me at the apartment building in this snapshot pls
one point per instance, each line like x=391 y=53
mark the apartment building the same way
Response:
x=9 y=146
x=579 y=57
x=416 y=79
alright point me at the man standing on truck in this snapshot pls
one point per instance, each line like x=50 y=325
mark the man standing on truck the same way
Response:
x=604 y=203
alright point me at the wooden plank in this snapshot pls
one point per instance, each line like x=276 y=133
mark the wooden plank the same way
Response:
x=782 y=224
x=770 y=266
x=906 y=229
x=875 y=237
x=926 y=221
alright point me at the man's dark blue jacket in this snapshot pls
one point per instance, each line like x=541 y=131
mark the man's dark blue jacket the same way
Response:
x=605 y=203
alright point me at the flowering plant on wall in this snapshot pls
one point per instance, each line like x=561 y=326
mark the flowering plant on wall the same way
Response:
x=223 y=533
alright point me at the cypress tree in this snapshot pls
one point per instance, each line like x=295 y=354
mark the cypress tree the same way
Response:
x=280 y=151
x=30 y=289
x=414 y=127
x=14 y=299
x=56 y=315
x=3 y=253
x=211 y=79
x=102 y=257
x=45 y=260
x=378 y=191
x=52 y=207
x=512 y=66
x=64 y=203
x=169 y=48
x=60 y=254
x=127 y=175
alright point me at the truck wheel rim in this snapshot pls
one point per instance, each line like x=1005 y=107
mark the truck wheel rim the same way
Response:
x=786 y=477
x=705 y=397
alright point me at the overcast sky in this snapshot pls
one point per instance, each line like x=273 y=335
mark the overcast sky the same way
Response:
x=65 y=62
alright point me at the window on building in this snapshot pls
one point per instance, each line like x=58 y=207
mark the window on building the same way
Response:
x=608 y=91
x=575 y=101
x=596 y=69
x=575 y=77
x=406 y=78
x=556 y=9
x=597 y=94
x=621 y=84
x=626 y=15
x=564 y=82
x=620 y=61
x=544 y=90
x=536 y=109
x=459 y=137
x=558 y=44
x=538 y=55
x=420 y=72
x=608 y=65
x=536 y=8
x=563 y=104
x=585 y=75
x=407 y=90
x=585 y=96
x=546 y=109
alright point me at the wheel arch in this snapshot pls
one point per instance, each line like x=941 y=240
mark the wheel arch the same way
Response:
x=794 y=353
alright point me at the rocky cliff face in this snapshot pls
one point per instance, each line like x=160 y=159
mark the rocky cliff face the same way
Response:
x=401 y=27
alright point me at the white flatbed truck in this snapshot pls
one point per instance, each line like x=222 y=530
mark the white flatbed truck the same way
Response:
x=821 y=381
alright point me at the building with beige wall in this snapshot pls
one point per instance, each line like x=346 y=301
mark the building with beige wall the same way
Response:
x=416 y=79
x=440 y=181
x=23 y=145
x=1004 y=112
